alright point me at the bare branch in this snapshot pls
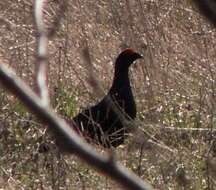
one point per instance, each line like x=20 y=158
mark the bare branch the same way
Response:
x=112 y=169
x=42 y=45
x=41 y=58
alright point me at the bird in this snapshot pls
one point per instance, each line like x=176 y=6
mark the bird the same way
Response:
x=104 y=123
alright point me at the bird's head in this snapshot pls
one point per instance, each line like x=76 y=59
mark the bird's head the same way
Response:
x=126 y=58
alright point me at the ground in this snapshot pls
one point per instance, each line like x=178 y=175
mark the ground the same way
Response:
x=173 y=145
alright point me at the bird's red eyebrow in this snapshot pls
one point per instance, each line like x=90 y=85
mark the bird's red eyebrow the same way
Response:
x=129 y=51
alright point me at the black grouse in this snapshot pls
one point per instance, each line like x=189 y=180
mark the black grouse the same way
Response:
x=101 y=123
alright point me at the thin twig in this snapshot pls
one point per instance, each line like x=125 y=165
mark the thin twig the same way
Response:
x=9 y=25
x=186 y=129
x=42 y=48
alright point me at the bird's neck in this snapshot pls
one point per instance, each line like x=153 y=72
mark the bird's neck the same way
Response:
x=121 y=79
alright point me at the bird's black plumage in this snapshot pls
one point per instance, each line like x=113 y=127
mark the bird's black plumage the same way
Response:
x=101 y=122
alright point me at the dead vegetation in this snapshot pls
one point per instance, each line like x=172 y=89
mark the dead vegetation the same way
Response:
x=174 y=88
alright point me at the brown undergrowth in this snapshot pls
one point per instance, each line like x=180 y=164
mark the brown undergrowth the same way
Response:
x=173 y=146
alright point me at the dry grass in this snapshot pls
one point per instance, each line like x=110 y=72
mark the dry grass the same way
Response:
x=174 y=87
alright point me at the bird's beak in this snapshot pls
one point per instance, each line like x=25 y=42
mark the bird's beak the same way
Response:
x=139 y=56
